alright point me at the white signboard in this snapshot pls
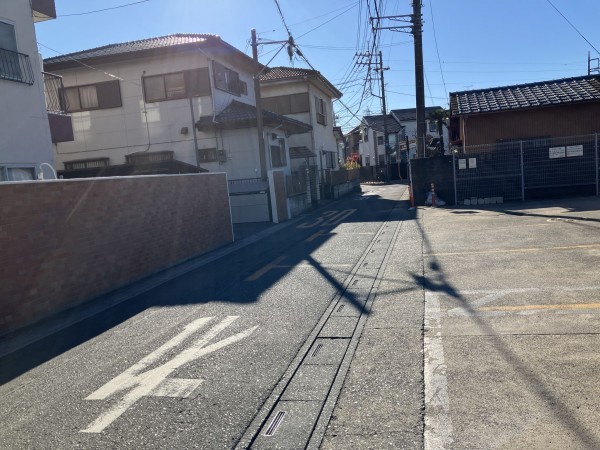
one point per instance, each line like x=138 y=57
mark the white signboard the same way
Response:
x=574 y=150
x=472 y=163
x=462 y=163
x=556 y=152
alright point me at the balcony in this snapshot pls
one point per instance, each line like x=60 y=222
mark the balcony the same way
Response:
x=149 y=157
x=15 y=66
x=43 y=10
x=61 y=126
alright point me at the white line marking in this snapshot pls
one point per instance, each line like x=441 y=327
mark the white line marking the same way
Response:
x=493 y=295
x=489 y=298
x=438 y=424
x=150 y=383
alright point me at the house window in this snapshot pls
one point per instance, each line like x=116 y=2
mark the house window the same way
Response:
x=379 y=140
x=287 y=104
x=321 y=110
x=10 y=68
x=366 y=135
x=330 y=158
x=17 y=173
x=228 y=80
x=93 y=96
x=278 y=158
x=172 y=86
x=433 y=126
x=207 y=155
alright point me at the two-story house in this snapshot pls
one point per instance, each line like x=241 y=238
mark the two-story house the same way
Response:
x=408 y=118
x=171 y=104
x=372 y=144
x=25 y=133
x=307 y=96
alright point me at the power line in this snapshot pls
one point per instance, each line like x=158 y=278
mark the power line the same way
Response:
x=326 y=22
x=105 y=9
x=81 y=63
x=573 y=26
x=311 y=19
x=282 y=18
x=437 y=49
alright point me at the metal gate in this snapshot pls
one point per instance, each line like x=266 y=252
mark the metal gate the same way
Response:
x=516 y=170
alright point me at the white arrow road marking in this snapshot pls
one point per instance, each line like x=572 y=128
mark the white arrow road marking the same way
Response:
x=155 y=382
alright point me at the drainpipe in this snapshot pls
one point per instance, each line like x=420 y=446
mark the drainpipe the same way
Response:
x=463 y=122
x=194 y=132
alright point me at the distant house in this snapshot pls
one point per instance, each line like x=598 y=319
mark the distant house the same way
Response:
x=28 y=129
x=408 y=118
x=372 y=144
x=546 y=109
x=307 y=96
x=171 y=104
x=352 y=143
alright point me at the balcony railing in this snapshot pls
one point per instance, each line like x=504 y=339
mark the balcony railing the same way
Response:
x=56 y=100
x=15 y=66
x=149 y=157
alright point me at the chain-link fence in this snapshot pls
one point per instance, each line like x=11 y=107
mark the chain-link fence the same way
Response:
x=515 y=170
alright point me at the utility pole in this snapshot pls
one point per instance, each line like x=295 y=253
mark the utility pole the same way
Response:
x=386 y=141
x=366 y=61
x=417 y=32
x=401 y=23
x=259 y=116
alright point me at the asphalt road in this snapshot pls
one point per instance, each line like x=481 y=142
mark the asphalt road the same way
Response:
x=195 y=362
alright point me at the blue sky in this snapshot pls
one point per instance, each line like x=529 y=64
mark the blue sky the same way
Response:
x=480 y=43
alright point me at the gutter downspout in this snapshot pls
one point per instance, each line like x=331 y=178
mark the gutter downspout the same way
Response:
x=194 y=132
x=463 y=122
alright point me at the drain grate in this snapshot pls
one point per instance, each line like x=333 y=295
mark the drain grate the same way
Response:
x=317 y=350
x=340 y=308
x=275 y=423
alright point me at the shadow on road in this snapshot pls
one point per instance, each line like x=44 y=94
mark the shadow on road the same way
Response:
x=226 y=280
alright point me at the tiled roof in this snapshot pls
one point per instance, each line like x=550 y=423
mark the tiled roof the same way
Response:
x=293 y=73
x=173 y=40
x=410 y=114
x=376 y=123
x=240 y=114
x=531 y=95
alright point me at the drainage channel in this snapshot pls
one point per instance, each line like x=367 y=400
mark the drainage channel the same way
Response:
x=298 y=410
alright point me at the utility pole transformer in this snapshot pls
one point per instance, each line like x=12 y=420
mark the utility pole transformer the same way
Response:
x=259 y=116
x=417 y=32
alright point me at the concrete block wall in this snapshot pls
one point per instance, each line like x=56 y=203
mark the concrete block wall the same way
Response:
x=438 y=170
x=66 y=241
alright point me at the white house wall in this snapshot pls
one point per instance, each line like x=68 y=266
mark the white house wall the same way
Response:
x=324 y=139
x=321 y=138
x=24 y=128
x=411 y=132
x=116 y=132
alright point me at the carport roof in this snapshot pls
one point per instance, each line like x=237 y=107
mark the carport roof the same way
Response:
x=531 y=95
